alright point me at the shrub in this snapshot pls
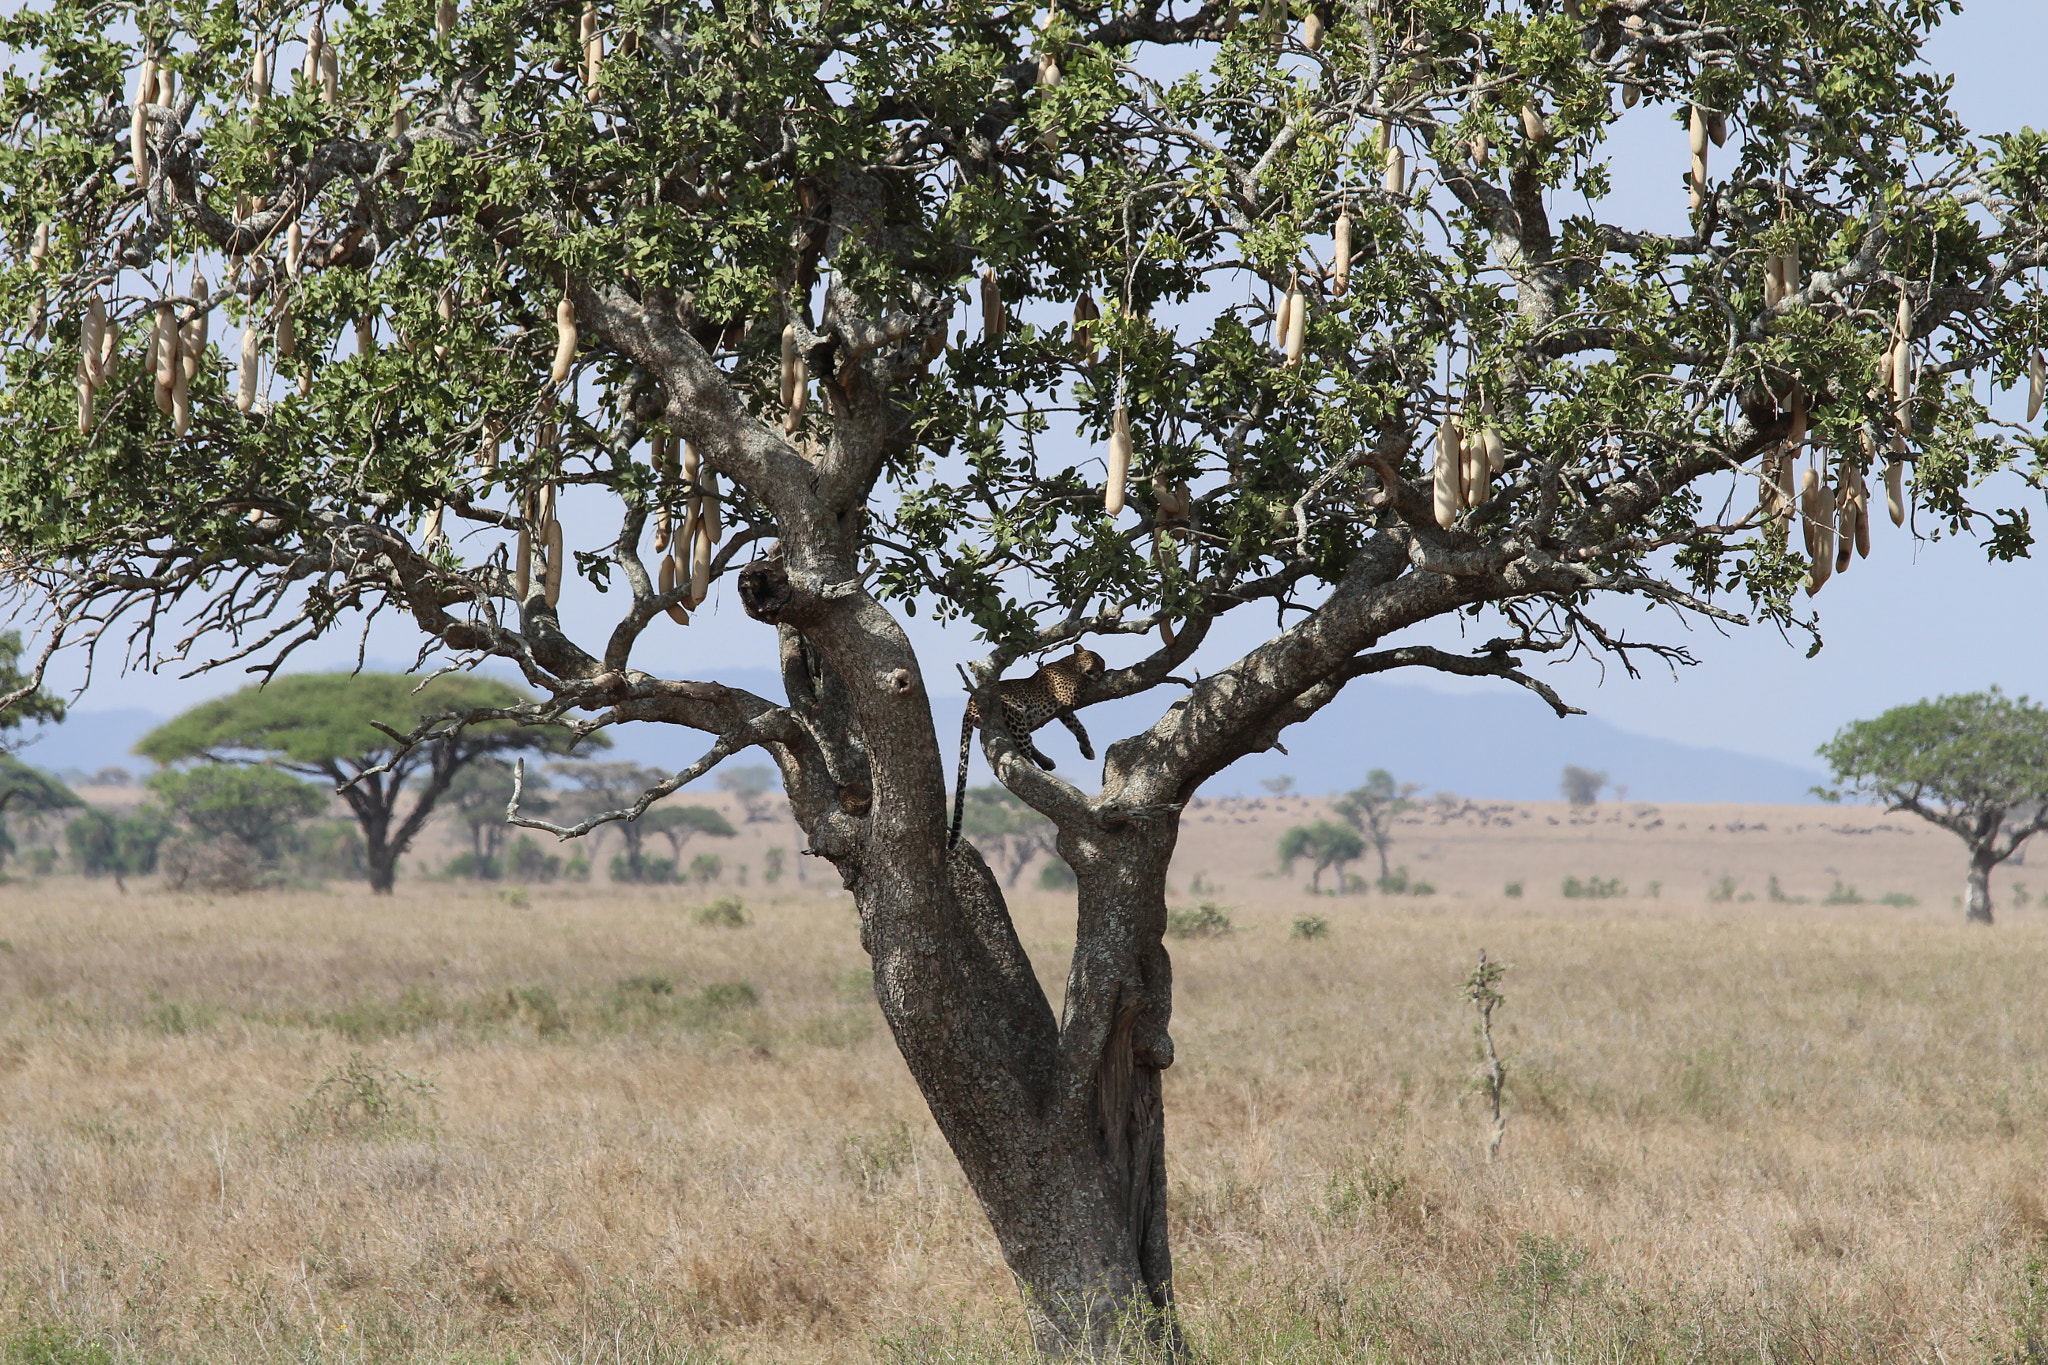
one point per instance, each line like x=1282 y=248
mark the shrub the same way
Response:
x=1776 y=894
x=653 y=871
x=225 y=863
x=1207 y=920
x=727 y=912
x=1723 y=891
x=1593 y=889
x=361 y=1098
x=706 y=868
x=1581 y=786
x=538 y=1006
x=1898 y=899
x=335 y=848
x=1310 y=926
x=728 y=995
x=125 y=847
x=1842 y=895
x=1513 y=890
x=529 y=862
x=577 y=869
x=259 y=806
x=1055 y=875
x=771 y=866
x=469 y=866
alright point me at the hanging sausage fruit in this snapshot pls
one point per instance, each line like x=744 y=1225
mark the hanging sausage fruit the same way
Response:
x=1448 y=477
x=1119 y=460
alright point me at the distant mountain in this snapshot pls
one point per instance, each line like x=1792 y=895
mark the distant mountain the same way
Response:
x=1503 y=745
x=88 y=741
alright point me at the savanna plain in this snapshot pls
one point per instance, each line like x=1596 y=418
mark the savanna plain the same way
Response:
x=1767 y=1099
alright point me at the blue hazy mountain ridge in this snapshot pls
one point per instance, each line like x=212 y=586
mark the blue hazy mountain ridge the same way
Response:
x=1504 y=745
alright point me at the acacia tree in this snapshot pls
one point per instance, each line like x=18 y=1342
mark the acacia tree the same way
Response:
x=351 y=729
x=753 y=229
x=1372 y=808
x=1326 y=844
x=1976 y=765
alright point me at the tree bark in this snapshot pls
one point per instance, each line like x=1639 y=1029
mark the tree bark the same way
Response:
x=1059 y=1128
x=1978 y=885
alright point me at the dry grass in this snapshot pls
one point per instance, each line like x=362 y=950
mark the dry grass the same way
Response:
x=566 y=1131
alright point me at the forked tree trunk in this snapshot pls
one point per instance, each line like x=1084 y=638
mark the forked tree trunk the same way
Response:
x=1978 y=897
x=1058 y=1126
x=1056 y=1122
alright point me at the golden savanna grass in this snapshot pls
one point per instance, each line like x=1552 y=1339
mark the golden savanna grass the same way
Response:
x=573 y=1124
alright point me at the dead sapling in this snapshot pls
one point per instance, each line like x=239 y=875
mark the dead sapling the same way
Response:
x=1482 y=989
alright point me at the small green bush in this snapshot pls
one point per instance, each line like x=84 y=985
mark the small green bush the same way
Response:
x=727 y=912
x=527 y=861
x=46 y=1344
x=1398 y=883
x=1593 y=889
x=1513 y=890
x=468 y=866
x=1310 y=926
x=728 y=995
x=361 y=1098
x=1207 y=920
x=1055 y=875
x=653 y=871
x=1898 y=899
x=1723 y=891
x=1842 y=895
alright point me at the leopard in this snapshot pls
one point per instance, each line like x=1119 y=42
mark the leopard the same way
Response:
x=1030 y=703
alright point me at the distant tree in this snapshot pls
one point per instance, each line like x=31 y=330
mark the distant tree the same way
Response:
x=257 y=805
x=478 y=795
x=590 y=788
x=1281 y=785
x=1976 y=765
x=326 y=725
x=1326 y=844
x=1008 y=832
x=751 y=785
x=22 y=697
x=24 y=791
x=104 y=844
x=679 y=824
x=1371 y=810
x=1581 y=786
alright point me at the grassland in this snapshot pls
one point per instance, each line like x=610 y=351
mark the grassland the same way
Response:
x=574 y=1124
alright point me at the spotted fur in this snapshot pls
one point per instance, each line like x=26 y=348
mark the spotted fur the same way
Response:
x=1030 y=703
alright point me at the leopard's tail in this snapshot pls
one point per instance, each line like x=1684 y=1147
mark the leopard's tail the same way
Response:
x=960 y=782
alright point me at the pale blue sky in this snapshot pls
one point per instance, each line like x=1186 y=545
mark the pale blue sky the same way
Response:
x=1918 y=618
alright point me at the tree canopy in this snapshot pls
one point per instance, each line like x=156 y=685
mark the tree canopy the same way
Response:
x=256 y=806
x=309 y=721
x=1097 y=328
x=1975 y=764
x=1326 y=844
x=369 y=734
x=22 y=696
x=1372 y=807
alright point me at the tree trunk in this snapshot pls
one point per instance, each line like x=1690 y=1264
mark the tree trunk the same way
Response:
x=371 y=800
x=1978 y=898
x=1059 y=1128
